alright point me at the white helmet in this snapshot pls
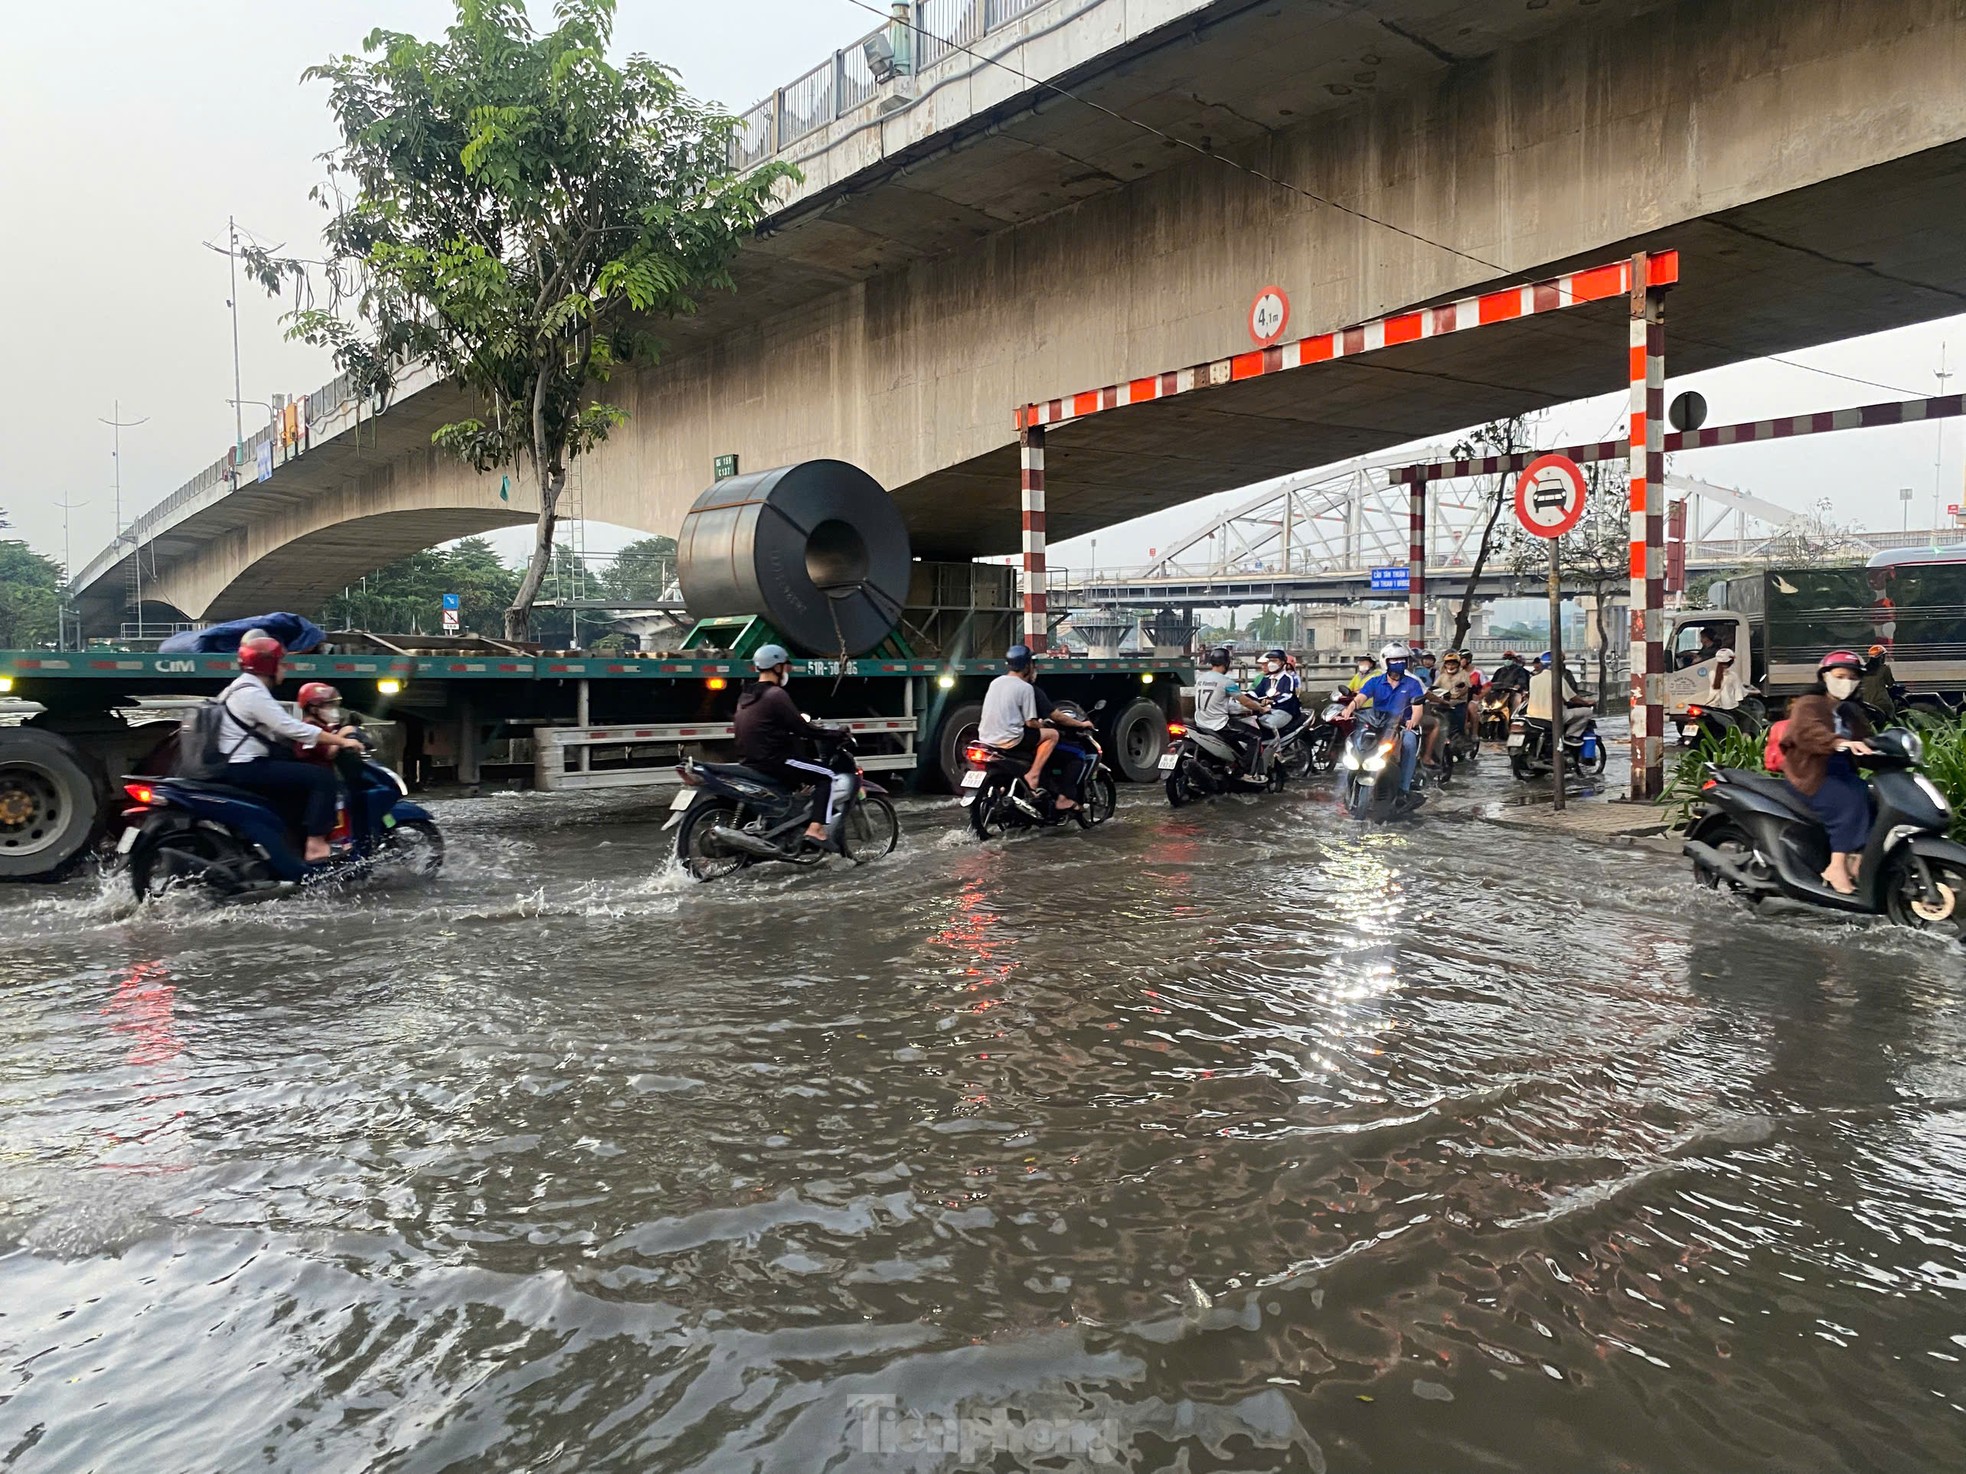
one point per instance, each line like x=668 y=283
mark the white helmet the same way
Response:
x=1395 y=651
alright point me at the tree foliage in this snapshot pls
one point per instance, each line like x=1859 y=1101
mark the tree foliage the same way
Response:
x=1501 y=437
x=30 y=596
x=1595 y=554
x=645 y=569
x=522 y=211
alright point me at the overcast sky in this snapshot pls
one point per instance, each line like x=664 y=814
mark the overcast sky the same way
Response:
x=129 y=129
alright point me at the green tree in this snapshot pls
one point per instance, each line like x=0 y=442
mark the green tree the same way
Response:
x=645 y=569
x=407 y=596
x=522 y=208
x=30 y=596
x=1594 y=556
x=1500 y=437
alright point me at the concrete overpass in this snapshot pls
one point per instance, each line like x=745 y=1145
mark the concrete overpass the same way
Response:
x=992 y=242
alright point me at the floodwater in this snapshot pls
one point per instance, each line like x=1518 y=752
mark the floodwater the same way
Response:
x=1233 y=1138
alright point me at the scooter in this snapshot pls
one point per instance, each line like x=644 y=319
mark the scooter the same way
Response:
x=1324 y=739
x=1371 y=765
x=1756 y=835
x=1199 y=764
x=234 y=846
x=732 y=816
x=1716 y=721
x=1290 y=743
x=1497 y=711
x=1529 y=747
x=998 y=799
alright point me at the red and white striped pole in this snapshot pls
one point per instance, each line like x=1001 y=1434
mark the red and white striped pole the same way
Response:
x=1648 y=491
x=1031 y=442
x=1416 y=565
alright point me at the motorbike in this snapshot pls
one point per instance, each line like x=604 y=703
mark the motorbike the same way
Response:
x=1292 y=744
x=1756 y=835
x=1371 y=765
x=998 y=799
x=1716 y=722
x=1497 y=711
x=1199 y=764
x=235 y=846
x=1449 y=748
x=1323 y=739
x=1529 y=747
x=731 y=816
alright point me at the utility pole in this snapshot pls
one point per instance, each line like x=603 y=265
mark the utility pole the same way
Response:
x=63 y=609
x=1939 y=455
x=117 y=425
x=231 y=252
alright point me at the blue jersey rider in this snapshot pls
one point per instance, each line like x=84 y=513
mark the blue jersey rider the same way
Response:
x=1403 y=698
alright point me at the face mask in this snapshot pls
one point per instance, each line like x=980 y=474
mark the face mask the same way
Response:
x=1841 y=686
x=1272 y=667
x=330 y=715
x=1364 y=669
x=1395 y=668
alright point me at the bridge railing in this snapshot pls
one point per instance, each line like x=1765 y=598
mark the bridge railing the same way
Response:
x=843 y=84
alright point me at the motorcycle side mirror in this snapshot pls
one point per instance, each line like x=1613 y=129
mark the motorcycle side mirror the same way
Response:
x=1099 y=705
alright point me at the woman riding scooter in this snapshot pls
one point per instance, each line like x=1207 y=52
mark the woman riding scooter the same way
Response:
x=1825 y=730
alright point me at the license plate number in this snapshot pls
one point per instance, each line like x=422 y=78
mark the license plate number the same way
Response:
x=973 y=778
x=129 y=840
x=683 y=799
x=1169 y=761
x=1515 y=739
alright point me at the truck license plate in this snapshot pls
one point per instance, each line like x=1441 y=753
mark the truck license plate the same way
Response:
x=973 y=778
x=1169 y=761
x=129 y=840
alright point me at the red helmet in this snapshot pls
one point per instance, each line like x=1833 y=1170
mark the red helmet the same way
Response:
x=1840 y=660
x=261 y=656
x=318 y=693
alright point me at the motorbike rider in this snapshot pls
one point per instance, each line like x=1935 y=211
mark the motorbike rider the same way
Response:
x=1279 y=692
x=774 y=740
x=1826 y=729
x=1875 y=690
x=1400 y=694
x=256 y=734
x=1066 y=762
x=1451 y=693
x=1541 y=705
x=1368 y=665
x=1724 y=689
x=320 y=706
x=1224 y=708
x=1012 y=723
x=1511 y=679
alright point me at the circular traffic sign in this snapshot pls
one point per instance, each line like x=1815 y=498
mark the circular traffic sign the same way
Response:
x=1269 y=315
x=1549 y=497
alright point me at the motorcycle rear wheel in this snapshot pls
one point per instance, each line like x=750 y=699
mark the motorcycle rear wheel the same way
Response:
x=989 y=813
x=701 y=855
x=1905 y=904
x=1180 y=788
x=182 y=860
x=870 y=829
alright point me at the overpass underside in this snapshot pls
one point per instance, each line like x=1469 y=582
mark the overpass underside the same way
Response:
x=1862 y=253
x=996 y=245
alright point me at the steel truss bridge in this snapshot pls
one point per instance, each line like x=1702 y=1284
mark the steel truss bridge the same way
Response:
x=1317 y=537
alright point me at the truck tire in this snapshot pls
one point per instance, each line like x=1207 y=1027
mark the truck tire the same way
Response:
x=957 y=731
x=51 y=808
x=1135 y=741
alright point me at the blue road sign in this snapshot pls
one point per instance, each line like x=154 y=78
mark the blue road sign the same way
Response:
x=450 y=602
x=1397 y=580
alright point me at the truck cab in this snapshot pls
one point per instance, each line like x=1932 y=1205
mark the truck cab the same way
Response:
x=1689 y=673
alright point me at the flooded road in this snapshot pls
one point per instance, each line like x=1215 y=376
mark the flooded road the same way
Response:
x=1232 y=1138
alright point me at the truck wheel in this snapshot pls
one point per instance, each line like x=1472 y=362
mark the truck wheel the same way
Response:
x=50 y=806
x=1136 y=740
x=958 y=730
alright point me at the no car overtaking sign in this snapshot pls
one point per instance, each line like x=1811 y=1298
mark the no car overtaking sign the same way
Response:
x=1549 y=499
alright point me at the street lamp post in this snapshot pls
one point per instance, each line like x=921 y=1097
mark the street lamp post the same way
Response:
x=117 y=425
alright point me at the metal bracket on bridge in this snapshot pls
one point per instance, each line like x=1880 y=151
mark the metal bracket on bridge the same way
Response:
x=649 y=754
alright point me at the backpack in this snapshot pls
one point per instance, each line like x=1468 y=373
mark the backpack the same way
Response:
x=1772 y=756
x=200 y=740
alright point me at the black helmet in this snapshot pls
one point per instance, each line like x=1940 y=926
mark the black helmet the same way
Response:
x=1277 y=655
x=1221 y=655
x=1018 y=657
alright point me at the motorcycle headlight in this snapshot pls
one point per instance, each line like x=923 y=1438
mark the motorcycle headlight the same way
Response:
x=1350 y=759
x=1376 y=763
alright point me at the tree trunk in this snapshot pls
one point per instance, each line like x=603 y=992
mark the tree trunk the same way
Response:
x=1603 y=648
x=1462 y=618
x=518 y=618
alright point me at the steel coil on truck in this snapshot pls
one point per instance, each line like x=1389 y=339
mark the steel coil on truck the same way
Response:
x=818 y=549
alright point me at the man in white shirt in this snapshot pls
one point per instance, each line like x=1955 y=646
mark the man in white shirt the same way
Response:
x=256 y=738
x=1010 y=721
x=1540 y=692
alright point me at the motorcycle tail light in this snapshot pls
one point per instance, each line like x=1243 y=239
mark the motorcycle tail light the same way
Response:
x=976 y=753
x=1177 y=729
x=141 y=793
x=1695 y=711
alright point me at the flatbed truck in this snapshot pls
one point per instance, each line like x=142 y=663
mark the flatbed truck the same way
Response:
x=76 y=723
